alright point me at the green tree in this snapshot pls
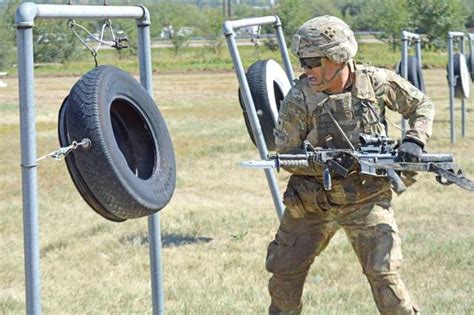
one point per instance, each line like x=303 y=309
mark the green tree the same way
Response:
x=54 y=41
x=183 y=19
x=211 y=27
x=388 y=16
x=436 y=18
x=8 y=35
x=293 y=13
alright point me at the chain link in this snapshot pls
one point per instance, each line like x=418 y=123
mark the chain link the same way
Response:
x=116 y=42
x=62 y=152
x=255 y=39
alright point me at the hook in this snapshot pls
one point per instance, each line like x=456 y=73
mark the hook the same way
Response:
x=94 y=55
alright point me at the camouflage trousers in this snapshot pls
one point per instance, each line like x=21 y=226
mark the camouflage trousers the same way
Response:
x=373 y=233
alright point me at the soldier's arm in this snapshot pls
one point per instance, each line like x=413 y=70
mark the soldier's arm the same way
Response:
x=400 y=95
x=291 y=129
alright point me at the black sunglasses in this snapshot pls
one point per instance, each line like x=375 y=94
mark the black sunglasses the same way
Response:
x=310 y=63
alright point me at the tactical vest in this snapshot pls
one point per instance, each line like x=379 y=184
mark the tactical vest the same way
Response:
x=355 y=112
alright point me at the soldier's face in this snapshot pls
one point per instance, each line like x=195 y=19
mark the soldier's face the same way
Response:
x=327 y=77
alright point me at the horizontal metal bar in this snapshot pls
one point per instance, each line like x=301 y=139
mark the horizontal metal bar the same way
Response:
x=409 y=35
x=28 y=11
x=471 y=36
x=456 y=34
x=229 y=26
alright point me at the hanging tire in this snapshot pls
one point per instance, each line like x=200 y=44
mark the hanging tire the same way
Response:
x=470 y=62
x=461 y=74
x=76 y=176
x=129 y=170
x=268 y=86
x=414 y=73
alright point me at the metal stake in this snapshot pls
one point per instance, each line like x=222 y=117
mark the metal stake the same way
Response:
x=154 y=234
x=29 y=169
x=463 y=102
x=452 y=81
x=406 y=38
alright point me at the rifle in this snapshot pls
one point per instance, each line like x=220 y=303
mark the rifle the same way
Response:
x=377 y=156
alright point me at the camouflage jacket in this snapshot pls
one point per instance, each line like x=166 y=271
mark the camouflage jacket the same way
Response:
x=306 y=115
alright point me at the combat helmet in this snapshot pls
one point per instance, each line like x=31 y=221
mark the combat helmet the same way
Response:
x=325 y=36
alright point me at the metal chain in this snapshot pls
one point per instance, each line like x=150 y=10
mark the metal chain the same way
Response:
x=62 y=152
x=115 y=42
x=255 y=39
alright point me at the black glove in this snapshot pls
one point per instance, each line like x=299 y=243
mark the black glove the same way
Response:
x=410 y=151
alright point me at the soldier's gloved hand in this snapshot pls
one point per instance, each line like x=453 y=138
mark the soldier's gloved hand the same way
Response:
x=410 y=151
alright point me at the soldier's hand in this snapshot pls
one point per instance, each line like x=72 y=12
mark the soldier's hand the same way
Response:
x=410 y=151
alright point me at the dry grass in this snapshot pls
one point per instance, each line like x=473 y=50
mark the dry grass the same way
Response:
x=221 y=218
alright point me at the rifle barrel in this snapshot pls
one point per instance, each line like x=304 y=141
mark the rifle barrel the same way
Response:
x=430 y=157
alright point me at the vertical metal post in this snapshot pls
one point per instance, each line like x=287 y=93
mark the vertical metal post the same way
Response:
x=154 y=233
x=254 y=122
x=404 y=73
x=418 y=59
x=463 y=102
x=284 y=52
x=29 y=179
x=451 y=84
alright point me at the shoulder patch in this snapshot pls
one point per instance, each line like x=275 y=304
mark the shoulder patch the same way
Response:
x=379 y=79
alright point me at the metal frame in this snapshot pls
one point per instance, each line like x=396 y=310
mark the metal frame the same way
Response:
x=228 y=28
x=406 y=38
x=452 y=83
x=25 y=16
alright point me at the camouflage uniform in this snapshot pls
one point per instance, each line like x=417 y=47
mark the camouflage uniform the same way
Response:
x=359 y=204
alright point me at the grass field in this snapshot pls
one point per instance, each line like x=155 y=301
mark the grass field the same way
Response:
x=216 y=229
x=206 y=59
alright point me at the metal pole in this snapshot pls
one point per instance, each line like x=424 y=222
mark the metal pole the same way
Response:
x=29 y=180
x=404 y=73
x=154 y=233
x=463 y=103
x=284 y=51
x=254 y=122
x=418 y=59
x=451 y=84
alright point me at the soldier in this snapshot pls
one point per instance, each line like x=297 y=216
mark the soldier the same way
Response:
x=332 y=103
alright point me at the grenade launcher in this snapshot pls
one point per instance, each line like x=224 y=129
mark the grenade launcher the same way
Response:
x=377 y=156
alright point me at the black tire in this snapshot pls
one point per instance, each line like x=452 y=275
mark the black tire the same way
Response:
x=461 y=73
x=76 y=176
x=470 y=61
x=414 y=74
x=129 y=171
x=268 y=85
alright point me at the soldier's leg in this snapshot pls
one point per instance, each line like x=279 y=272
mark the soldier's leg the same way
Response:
x=297 y=242
x=375 y=238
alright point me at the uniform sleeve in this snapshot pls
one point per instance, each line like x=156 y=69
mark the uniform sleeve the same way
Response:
x=292 y=128
x=400 y=95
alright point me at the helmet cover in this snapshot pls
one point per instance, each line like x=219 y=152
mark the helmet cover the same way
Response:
x=325 y=36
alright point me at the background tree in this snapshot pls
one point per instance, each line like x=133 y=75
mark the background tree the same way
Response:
x=54 y=41
x=388 y=16
x=7 y=35
x=181 y=17
x=293 y=13
x=210 y=26
x=436 y=18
